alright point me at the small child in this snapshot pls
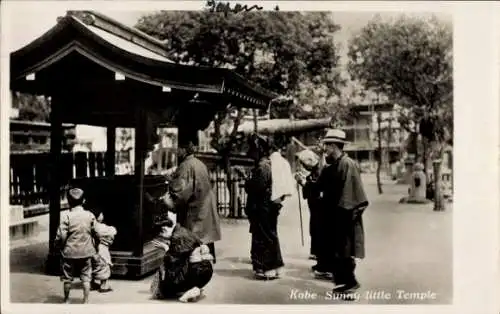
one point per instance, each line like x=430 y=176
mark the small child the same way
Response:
x=101 y=261
x=74 y=238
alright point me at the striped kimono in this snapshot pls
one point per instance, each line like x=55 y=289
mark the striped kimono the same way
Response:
x=101 y=262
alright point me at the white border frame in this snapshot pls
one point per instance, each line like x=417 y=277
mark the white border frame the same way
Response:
x=476 y=209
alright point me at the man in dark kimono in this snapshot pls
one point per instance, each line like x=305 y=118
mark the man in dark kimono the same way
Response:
x=344 y=201
x=194 y=199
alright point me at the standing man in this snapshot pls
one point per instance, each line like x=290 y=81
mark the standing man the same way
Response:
x=344 y=201
x=193 y=198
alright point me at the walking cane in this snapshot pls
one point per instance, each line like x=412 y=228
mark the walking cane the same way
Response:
x=300 y=214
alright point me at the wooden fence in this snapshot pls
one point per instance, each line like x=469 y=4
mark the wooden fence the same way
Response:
x=30 y=175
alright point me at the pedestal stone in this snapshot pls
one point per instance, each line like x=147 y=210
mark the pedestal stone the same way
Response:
x=418 y=184
x=16 y=213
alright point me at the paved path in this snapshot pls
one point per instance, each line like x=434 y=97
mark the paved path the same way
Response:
x=409 y=247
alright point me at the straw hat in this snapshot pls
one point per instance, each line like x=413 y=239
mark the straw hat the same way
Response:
x=335 y=136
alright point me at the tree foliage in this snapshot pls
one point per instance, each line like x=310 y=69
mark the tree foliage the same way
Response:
x=31 y=107
x=276 y=50
x=409 y=59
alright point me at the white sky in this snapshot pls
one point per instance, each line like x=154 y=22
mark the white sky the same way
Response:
x=32 y=20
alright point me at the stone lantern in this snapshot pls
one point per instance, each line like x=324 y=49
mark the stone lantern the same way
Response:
x=418 y=185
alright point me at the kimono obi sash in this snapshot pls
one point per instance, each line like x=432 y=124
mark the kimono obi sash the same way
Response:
x=199 y=254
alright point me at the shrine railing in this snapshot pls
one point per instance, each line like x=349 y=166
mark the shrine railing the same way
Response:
x=231 y=207
x=30 y=175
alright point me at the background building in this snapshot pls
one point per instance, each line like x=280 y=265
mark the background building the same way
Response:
x=34 y=137
x=363 y=133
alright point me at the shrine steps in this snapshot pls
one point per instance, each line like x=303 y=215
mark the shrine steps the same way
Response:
x=125 y=265
x=129 y=266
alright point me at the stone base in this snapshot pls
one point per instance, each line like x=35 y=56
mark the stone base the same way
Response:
x=16 y=213
x=408 y=200
x=23 y=229
x=124 y=263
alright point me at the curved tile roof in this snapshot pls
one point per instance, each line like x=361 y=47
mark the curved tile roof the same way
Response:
x=130 y=52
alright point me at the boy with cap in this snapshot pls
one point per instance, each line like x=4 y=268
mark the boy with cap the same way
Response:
x=74 y=238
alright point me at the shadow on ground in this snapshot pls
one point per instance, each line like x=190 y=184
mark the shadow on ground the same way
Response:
x=237 y=260
x=29 y=259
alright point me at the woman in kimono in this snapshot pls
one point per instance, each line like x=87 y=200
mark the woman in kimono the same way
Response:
x=263 y=214
x=187 y=264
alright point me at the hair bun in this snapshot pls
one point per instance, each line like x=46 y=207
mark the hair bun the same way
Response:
x=162 y=220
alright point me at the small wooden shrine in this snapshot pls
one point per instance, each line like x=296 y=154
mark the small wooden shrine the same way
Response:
x=102 y=73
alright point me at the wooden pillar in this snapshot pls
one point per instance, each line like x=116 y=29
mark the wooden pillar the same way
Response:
x=111 y=150
x=187 y=133
x=139 y=151
x=255 y=121
x=54 y=188
x=438 y=193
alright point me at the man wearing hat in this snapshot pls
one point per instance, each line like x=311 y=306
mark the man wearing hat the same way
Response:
x=74 y=238
x=343 y=201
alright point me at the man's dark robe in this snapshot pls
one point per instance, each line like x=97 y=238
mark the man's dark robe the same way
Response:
x=311 y=193
x=195 y=200
x=344 y=201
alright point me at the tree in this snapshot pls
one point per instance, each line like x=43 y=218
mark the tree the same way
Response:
x=409 y=59
x=379 y=145
x=32 y=107
x=124 y=139
x=276 y=50
x=280 y=51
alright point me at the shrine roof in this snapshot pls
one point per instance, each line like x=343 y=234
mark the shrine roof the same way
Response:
x=134 y=54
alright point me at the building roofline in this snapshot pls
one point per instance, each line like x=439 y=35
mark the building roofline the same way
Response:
x=112 y=26
x=38 y=123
